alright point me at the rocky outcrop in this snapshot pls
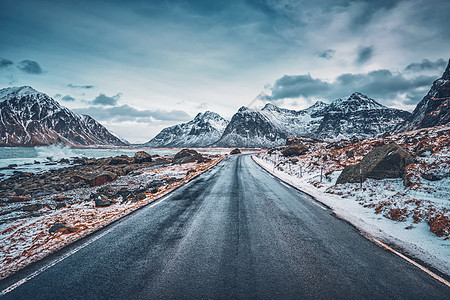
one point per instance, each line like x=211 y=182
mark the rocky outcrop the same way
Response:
x=187 y=156
x=433 y=109
x=388 y=161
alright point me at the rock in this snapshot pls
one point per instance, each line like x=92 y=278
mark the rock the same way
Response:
x=141 y=157
x=350 y=153
x=120 y=160
x=431 y=177
x=102 y=201
x=37 y=162
x=187 y=156
x=32 y=207
x=60 y=228
x=388 y=161
x=190 y=172
x=13 y=199
x=171 y=180
x=64 y=161
x=19 y=191
x=140 y=196
x=61 y=205
x=235 y=151
x=154 y=190
x=59 y=198
x=294 y=150
x=424 y=152
x=155 y=184
x=96 y=179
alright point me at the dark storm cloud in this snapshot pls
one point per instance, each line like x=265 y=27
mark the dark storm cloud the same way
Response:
x=364 y=55
x=380 y=84
x=128 y=113
x=328 y=54
x=80 y=86
x=30 y=67
x=5 y=63
x=426 y=65
x=68 y=98
x=102 y=99
x=296 y=86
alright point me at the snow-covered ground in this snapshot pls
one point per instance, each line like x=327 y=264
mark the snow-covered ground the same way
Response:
x=28 y=240
x=382 y=209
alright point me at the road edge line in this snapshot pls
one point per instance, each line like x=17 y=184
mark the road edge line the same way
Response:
x=161 y=198
x=372 y=239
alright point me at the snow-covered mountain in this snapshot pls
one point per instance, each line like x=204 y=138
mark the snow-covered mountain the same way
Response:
x=31 y=118
x=203 y=130
x=355 y=116
x=433 y=109
x=251 y=128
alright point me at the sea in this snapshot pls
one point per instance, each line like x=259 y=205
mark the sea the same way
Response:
x=41 y=159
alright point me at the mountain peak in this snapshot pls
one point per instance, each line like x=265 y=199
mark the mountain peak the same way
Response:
x=355 y=102
x=15 y=91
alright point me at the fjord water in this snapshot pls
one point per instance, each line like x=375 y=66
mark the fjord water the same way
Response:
x=38 y=159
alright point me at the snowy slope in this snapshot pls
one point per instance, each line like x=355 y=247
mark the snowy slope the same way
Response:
x=31 y=118
x=202 y=131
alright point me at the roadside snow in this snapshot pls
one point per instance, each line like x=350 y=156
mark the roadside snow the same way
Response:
x=348 y=204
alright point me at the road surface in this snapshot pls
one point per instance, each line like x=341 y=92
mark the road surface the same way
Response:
x=234 y=232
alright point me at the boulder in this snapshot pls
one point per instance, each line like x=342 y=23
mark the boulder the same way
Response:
x=60 y=228
x=19 y=198
x=187 y=156
x=235 y=151
x=294 y=150
x=120 y=160
x=141 y=157
x=96 y=179
x=388 y=161
x=102 y=201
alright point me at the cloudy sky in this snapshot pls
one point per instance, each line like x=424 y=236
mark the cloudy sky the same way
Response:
x=139 y=66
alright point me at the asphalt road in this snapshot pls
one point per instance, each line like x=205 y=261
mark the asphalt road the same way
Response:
x=234 y=232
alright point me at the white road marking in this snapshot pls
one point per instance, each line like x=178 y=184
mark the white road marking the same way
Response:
x=435 y=276
x=51 y=264
x=68 y=254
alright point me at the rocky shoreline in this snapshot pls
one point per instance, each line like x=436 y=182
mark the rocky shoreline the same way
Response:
x=41 y=213
x=30 y=195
